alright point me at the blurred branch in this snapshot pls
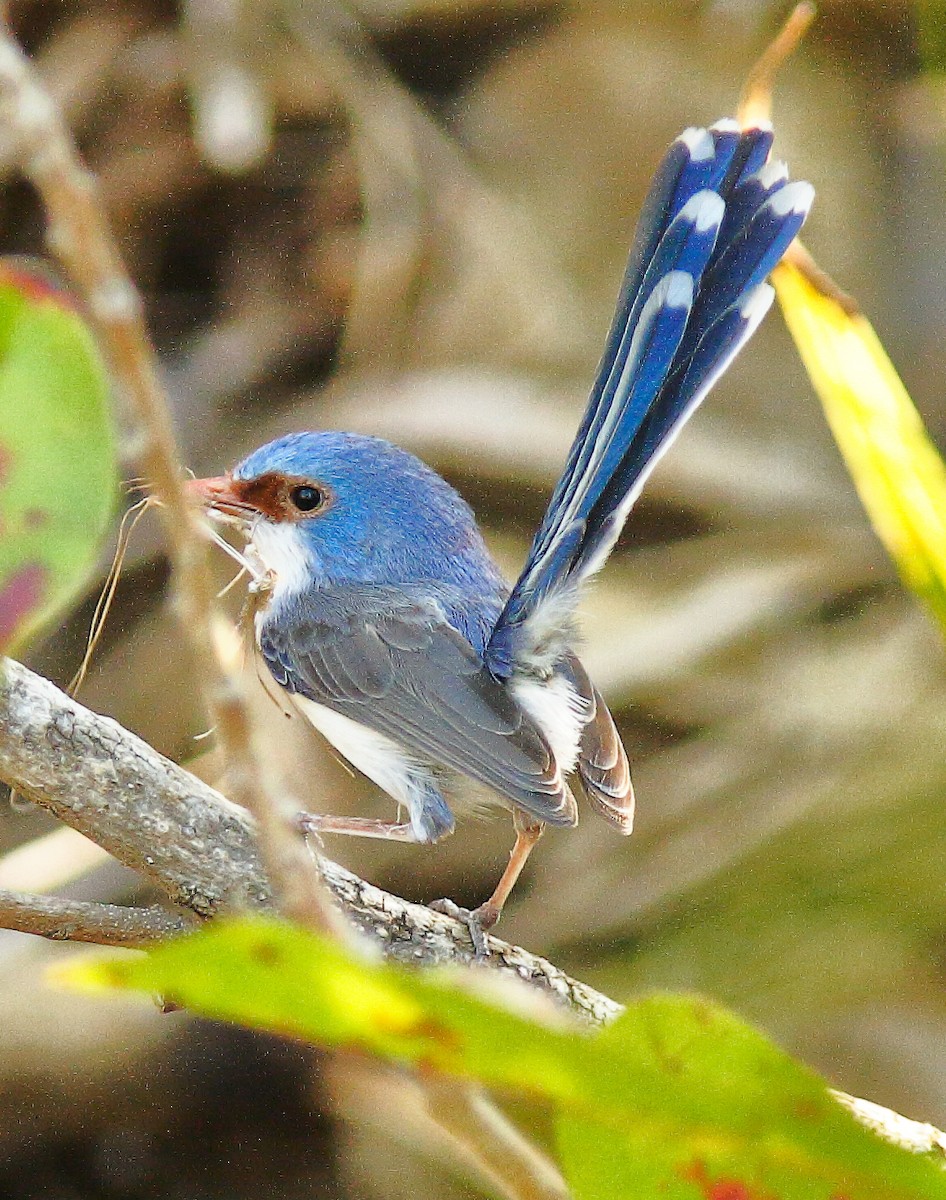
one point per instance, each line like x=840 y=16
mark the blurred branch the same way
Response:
x=420 y=191
x=79 y=921
x=915 y=1136
x=516 y=1168
x=232 y=109
x=197 y=847
x=78 y=233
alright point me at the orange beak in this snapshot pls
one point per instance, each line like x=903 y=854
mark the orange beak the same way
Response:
x=220 y=498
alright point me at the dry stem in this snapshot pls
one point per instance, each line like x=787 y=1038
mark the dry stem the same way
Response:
x=79 y=235
x=514 y=1165
x=755 y=103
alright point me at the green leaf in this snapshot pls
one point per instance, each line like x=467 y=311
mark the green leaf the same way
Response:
x=930 y=16
x=898 y=473
x=675 y=1099
x=58 y=480
x=738 y=1120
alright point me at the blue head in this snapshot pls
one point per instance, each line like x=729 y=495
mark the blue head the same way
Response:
x=333 y=508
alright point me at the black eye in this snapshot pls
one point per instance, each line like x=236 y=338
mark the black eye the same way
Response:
x=306 y=498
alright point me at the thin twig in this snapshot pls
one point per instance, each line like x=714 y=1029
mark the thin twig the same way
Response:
x=79 y=921
x=79 y=235
x=518 y=1169
x=755 y=103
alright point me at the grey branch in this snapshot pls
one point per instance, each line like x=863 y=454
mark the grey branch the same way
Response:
x=197 y=847
x=80 y=921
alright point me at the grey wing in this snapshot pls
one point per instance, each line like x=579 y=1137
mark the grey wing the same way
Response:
x=395 y=665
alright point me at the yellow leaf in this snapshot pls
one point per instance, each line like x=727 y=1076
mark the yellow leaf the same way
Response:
x=898 y=473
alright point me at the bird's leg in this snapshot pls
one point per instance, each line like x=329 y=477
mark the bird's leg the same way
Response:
x=391 y=831
x=479 y=920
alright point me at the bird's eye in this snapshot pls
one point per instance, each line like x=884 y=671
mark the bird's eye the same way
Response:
x=306 y=498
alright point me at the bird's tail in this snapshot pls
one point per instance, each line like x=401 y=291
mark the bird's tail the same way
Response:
x=718 y=218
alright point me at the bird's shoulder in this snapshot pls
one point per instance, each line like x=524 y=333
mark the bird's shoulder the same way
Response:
x=400 y=618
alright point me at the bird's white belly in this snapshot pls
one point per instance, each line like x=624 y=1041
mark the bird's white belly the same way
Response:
x=382 y=760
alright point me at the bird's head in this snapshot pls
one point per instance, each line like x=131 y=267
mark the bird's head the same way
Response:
x=323 y=508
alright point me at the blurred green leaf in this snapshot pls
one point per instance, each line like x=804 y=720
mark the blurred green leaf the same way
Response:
x=739 y=1120
x=898 y=473
x=57 y=452
x=675 y=1099
x=931 y=34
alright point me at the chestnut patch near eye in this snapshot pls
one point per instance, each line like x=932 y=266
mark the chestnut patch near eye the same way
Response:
x=283 y=497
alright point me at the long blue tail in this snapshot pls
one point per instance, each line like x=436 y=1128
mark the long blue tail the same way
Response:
x=717 y=219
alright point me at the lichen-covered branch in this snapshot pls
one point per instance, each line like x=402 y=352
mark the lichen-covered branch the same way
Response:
x=81 y=921
x=196 y=846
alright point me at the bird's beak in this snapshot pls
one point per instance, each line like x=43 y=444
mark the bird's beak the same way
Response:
x=220 y=499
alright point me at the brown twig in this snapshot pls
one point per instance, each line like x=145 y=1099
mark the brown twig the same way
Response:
x=799 y=256
x=79 y=921
x=515 y=1166
x=79 y=235
x=755 y=102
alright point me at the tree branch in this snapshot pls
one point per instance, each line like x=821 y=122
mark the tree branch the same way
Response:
x=79 y=921
x=199 y=849
x=196 y=846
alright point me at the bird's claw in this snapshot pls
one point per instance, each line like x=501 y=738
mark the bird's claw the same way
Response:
x=477 y=921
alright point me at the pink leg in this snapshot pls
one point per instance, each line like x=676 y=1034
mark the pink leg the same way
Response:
x=489 y=912
x=392 y=831
x=481 y=919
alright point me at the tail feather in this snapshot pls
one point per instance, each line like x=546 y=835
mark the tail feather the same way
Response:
x=755 y=247
x=602 y=766
x=664 y=422
x=653 y=325
x=717 y=219
x=698 y=160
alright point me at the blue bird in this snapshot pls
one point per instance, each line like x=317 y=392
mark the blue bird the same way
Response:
x=385 y=617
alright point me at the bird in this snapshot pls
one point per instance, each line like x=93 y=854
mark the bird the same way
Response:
x=383 y=615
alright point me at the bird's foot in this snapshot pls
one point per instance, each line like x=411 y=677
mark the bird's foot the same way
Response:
x=477 y=920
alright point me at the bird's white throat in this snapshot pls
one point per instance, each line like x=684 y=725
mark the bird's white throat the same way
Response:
x=282 y=550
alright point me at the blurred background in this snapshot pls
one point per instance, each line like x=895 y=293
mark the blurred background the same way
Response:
x=409 y=218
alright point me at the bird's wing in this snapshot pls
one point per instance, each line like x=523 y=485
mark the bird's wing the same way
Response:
x=393 y=663
x=717 y=220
